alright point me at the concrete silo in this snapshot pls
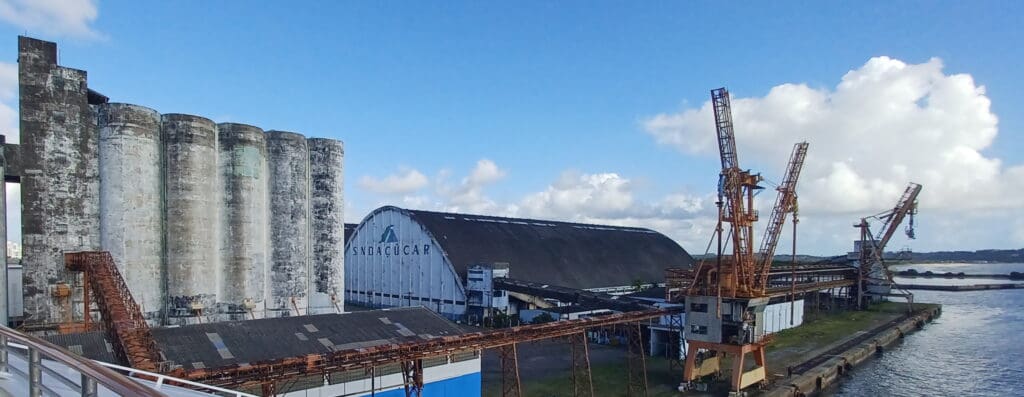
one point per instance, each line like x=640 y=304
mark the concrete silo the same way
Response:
x=327 y=225
x=288 y=165
x=191 y=200
x=243 y=220
x=131 y=214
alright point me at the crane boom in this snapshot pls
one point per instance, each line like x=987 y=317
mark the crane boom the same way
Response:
x=871 y=248
x=736 y=203
x=895 y=217
x=735 y=285
x=784 y=204
x=723 y=127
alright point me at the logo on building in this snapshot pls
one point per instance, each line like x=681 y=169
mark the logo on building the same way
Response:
x=388 y=246
x=389 y=235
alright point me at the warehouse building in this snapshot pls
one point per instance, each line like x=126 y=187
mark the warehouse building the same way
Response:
x=398 y=257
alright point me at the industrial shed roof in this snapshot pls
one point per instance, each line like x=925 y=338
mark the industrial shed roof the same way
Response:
x=91 y=345
x=247 y=342
x=572 y=255
x=350 y=229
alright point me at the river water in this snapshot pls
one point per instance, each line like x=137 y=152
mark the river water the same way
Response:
x=976 y=348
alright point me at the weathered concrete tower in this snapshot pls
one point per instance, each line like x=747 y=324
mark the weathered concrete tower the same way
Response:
x=220 y=221
x=192 y=203
x=131 y=202
x=242 y=160
x=60 y=177
x=288 y=162
x=327 y=225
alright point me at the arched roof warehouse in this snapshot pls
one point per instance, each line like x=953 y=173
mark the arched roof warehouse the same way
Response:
x=567 y=254
x=558 y=253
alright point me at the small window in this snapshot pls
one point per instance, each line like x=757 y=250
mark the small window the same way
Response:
x=699 y=307
x=698 y=329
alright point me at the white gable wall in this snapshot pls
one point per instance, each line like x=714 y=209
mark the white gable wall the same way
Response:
x=392 y=261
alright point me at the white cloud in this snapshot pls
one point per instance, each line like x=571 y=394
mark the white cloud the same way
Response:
x=69 y=18
x=469 y=195
x=407 y=180
x=575 y=194
x=884 y=124
x=611 y=199
x=485 y=172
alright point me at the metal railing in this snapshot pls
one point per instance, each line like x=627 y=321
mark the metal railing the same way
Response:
x=113 y=377
x=92 y=373
x=159 y=380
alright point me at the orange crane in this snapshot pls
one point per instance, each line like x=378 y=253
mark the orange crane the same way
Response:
x=785 y=203
x=870 y=248
x=734 y=285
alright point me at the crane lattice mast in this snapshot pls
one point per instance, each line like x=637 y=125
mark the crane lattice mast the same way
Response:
x=785 y=203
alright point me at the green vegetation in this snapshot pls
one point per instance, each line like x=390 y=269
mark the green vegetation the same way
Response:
x=789 y=347
x=542 y=318
x=832 y=327
x=609 y=381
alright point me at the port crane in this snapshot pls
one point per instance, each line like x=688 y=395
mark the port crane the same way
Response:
x=874 y=277
x=726 y=298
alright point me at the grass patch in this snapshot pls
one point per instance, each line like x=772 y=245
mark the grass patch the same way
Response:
x=834 y=326
x=609 y=381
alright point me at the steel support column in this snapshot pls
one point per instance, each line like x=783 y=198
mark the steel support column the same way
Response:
x=35 y=373
x=582 y=382
x=510 y=385
x=3 y=353
x=89 y=386
x=412 y=376
x=637 y=361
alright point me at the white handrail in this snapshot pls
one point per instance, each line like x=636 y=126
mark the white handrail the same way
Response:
x=160 y=378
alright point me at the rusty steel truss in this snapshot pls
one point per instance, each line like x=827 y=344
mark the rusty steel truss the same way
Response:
x=637 y=368
x=739 y=280
x=125 y=326
x=582 y=382
x=258 y=374
x=511 y=386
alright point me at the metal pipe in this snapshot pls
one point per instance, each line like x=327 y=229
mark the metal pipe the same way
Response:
x=3 y=232
x=792 y=288
x=3 y=355
x=88 y=386
x=35 y=373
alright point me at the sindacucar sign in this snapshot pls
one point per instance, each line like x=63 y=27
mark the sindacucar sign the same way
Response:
x=390 y=246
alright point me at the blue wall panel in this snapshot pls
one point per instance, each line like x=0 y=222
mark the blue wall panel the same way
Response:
x=463 y=386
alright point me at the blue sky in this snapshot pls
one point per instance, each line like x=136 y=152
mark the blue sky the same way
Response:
x=545 y=109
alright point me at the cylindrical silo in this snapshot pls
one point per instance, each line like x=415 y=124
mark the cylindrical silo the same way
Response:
x=131 y=212
x=288 y=165
x=243 y=220
x=327 y=225
x=192 y=202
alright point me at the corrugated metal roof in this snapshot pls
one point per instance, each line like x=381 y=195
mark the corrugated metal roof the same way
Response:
x=239 y=342
x=91 y=345
x=244 y=342
x=350 y=229
x=568 y=254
